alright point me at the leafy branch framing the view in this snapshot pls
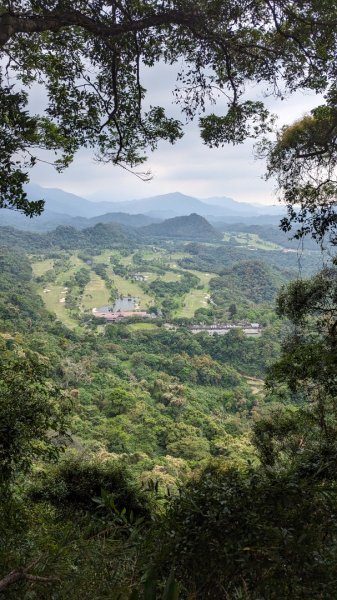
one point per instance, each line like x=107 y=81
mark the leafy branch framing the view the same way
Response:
x=89 y=58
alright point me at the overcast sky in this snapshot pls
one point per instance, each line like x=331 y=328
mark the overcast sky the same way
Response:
x=188 y=166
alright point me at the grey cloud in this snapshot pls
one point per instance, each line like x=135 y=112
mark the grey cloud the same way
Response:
x=189 y=166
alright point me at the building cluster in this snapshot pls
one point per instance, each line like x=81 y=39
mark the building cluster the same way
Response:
x=109 y=315
x=223 y=328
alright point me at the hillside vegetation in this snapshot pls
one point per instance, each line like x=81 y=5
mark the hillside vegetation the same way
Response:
x=190 y=227
x=147 y=440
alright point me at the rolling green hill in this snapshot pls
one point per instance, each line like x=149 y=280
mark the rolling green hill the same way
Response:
x=99 y=237
x=191 y=227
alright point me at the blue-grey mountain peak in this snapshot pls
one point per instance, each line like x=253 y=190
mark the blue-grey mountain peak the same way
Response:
x=163 y=206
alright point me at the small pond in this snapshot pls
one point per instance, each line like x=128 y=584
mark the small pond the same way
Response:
x=123 y=303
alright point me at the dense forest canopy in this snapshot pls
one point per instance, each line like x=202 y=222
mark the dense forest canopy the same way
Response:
x=131 y=447
x=139 y=460
x=88 y=56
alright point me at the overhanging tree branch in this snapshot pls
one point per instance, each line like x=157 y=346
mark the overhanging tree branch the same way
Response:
x=10 y=24
x=21 y=574
x=89 y=60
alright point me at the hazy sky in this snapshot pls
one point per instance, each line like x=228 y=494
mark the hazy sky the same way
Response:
x=188 y=166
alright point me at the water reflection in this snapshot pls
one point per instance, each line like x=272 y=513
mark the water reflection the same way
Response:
x=123 y=303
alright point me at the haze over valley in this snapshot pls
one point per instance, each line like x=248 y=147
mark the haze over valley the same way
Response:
x=62 y=208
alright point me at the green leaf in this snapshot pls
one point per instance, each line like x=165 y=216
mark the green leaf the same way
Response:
x=172 y=588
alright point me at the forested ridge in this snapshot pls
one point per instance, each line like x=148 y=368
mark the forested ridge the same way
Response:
x=190 y=227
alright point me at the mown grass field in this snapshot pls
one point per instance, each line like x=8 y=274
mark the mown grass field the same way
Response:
x=54 y=297
x=95 y=293
x=126 y=288
x=42 y=266
x=76 y=264
x=53 y=303
x=195 y=298
x=168 y=276
x=153 y=254
x=142 y=327
x=126 y=260
x=251 y=239
x=106 y=255
x=173 y=257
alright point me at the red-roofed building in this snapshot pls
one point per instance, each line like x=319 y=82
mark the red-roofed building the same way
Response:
x=116 y=316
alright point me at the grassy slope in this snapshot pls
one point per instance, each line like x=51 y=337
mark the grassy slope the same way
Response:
x=168 y=276
x=53 y=304
x=57 y=292
x=126 y=287
x=195 y=298
x=105 y=256
x=153 y=255
x=251 y=239
x=95 y=293
x=142 y=326
x=42 y=266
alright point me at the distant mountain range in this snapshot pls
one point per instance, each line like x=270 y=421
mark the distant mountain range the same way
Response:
x=110 y=235
x=163 y=206
x=63 y=208
x=50 y=220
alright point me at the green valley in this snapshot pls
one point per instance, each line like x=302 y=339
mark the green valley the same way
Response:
x=168 y=363
x=140 y=409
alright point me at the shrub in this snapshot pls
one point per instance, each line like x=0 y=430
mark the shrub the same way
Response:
x=77 y=480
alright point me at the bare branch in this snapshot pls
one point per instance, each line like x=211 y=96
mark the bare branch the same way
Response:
x=19 y=574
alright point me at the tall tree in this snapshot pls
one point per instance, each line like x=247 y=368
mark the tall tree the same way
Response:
x=32 y=412
x=89 y=57
x=304 y=161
